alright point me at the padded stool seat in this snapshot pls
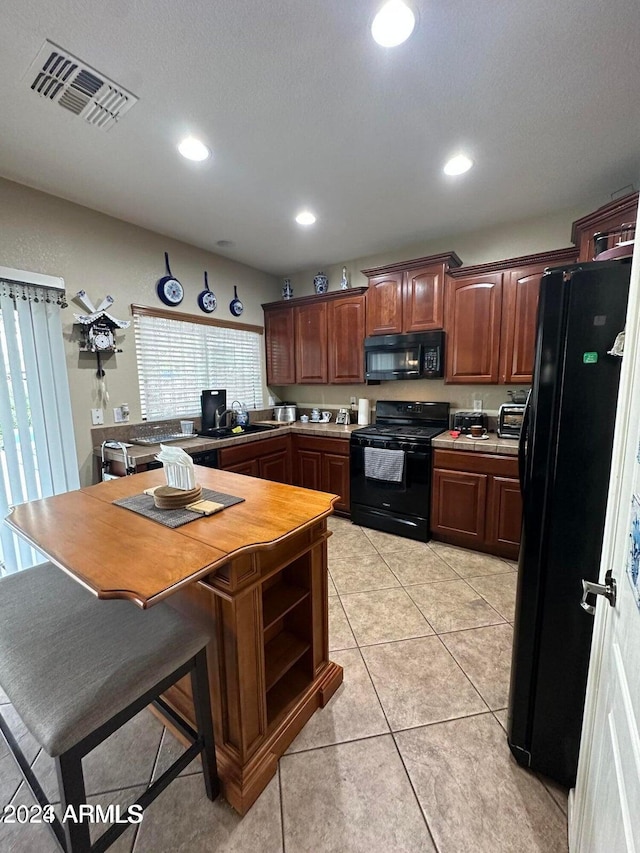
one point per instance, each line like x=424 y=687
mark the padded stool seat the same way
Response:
x=69 y=661
x=76 y=668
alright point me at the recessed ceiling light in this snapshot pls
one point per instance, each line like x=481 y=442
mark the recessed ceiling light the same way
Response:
x=305 y=217
x=393 y=24
x=458 y=165
x=193 y=149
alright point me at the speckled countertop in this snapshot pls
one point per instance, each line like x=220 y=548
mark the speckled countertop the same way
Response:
x=492 y=444
x=140 y=454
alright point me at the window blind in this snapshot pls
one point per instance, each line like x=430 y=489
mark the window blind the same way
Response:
x=37 y=447
x=177 y=359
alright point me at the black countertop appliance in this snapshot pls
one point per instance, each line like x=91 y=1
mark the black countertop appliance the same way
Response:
x=463 y=421
x=565 y=461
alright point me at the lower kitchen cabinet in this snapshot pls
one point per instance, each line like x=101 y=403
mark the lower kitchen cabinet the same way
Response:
x=269 y=459
x=476 y=501
x=323 y=464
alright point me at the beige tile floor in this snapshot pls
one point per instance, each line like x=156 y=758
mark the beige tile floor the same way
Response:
x=409 y=755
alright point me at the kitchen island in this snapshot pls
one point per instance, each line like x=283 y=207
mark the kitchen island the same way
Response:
x=255 y=572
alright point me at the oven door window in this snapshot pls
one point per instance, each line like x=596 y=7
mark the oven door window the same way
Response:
x=406 y=360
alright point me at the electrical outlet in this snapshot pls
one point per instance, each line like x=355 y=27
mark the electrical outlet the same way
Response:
x=353 y=401
x=97 y=417
x=477 y=405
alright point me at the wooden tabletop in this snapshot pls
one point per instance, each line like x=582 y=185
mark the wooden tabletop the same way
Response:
x=117 y=553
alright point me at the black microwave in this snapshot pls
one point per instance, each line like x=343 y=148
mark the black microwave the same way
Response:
x=415 y=356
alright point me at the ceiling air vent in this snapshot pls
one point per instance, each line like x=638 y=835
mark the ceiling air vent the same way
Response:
x=60 y=77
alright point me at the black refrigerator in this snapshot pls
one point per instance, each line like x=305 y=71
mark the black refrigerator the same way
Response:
x=565 y=460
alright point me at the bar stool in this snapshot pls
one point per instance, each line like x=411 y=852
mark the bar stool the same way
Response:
x=76 y=669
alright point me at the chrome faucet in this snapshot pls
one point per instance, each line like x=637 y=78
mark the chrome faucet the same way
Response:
x=220 y=415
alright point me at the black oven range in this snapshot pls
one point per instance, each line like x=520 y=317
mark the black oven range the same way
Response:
x=391 y=467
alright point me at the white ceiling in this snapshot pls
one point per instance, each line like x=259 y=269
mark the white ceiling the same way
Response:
x=302 y=109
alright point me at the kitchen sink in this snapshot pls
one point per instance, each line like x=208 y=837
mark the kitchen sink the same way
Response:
x=227 y=432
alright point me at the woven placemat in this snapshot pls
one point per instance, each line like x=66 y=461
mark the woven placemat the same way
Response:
x=144 y=505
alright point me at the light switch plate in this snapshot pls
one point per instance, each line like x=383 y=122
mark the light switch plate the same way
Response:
x=118 y=417
x=97 y=417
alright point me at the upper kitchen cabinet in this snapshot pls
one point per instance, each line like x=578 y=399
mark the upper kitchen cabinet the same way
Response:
x=346 y=329
x=520 y=292
x=311 y=343
x=474 y=311
x=491 y=312
x=316 y=339
x=408 y=296
x=609 y=218
x=279 y=344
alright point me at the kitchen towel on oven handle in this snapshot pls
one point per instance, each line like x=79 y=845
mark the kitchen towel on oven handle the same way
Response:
x=383 y=464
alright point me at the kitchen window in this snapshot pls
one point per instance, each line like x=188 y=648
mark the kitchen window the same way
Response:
x=179 y=355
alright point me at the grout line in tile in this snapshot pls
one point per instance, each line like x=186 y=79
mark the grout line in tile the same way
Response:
x=337 y=743
x=442 y=722
x=556 y=803
x=462 y=670
x=415 y=794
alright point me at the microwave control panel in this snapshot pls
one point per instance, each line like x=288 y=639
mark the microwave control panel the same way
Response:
x=431 y=361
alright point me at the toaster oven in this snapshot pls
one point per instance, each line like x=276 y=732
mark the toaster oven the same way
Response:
x=510 y=418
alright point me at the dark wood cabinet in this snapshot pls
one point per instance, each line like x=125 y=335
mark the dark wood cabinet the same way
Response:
x=504 y=515
x=311 y=343
x=276 y=466
x=316 y=340
x=609 y=217
x=336 y=477
x=279 y=346
x=323 y=464
x=408 y=296
x=490 y=318
x=521 y=289
x=268 y=458
x=345 y=335
x=309 y=467
x=250 y=468
x=459 y=501
x=384 y=304
x=476 y=501
x=474 y=311
x=424 y=299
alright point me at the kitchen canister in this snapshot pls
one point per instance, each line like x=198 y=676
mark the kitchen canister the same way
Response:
x=363 y=411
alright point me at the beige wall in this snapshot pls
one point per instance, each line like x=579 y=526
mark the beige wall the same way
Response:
x=100 y=254
x=525 y=237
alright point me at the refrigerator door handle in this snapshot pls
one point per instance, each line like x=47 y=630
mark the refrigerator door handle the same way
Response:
x=522 y=445
x=608 y=589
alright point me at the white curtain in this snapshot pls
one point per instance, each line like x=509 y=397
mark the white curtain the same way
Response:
x=37 y=445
